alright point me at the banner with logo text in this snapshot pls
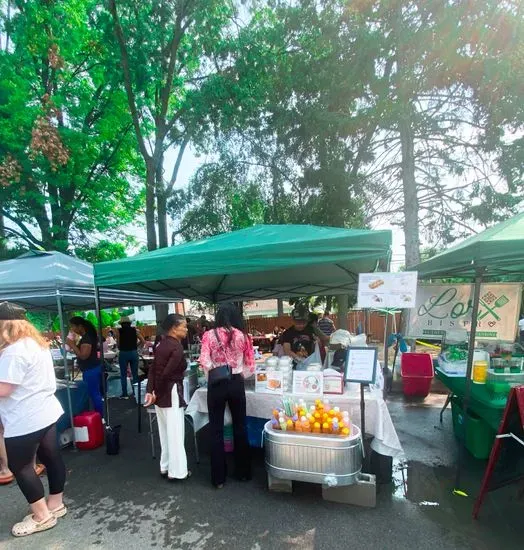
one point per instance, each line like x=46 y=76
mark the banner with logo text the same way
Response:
x=440 y=308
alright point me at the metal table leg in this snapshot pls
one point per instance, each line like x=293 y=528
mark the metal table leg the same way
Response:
x=152 y=413
x=448 y=401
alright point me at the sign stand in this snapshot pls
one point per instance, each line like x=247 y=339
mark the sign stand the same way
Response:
x=507 y=450
x=361 y=366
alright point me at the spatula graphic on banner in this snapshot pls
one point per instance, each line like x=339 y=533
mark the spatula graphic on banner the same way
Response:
x=502 y=301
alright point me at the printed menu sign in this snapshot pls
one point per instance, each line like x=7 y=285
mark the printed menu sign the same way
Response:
x=387 y=290
x=361 y=365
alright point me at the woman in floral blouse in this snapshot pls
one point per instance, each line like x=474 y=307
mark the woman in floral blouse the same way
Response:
x=228 y=344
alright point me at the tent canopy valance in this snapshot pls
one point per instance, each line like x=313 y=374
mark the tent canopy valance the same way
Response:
x=264 y=261
x=497 y=251
x=35 y=280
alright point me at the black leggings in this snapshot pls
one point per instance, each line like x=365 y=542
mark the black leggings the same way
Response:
x=21 y=453
x=231 y=392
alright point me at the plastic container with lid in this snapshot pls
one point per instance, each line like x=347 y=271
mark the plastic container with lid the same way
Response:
x=89 y=431
x=500 y=383
x=479 y=372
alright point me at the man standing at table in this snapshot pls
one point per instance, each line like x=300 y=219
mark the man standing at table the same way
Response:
x=299 y=340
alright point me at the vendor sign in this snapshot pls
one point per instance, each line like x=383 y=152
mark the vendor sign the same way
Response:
x=441 y=308
x=390 y=290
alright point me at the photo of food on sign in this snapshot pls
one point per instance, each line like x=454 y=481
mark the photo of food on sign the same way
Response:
x=308 y=383
x=376 y=283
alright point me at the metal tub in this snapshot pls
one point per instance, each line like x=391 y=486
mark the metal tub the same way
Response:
x=304 y=457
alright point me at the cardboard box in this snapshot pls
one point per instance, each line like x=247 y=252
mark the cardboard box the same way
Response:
x=333 y=382
x=361 y=493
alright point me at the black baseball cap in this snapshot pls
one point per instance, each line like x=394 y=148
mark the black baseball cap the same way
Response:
x=300 y=313
x=11 y=312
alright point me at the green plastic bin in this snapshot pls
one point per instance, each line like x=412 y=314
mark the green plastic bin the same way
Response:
x=479 y=437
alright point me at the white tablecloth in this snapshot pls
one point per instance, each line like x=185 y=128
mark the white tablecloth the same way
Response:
x=260 y=405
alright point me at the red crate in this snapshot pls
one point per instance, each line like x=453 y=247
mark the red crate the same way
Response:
x=416 y=370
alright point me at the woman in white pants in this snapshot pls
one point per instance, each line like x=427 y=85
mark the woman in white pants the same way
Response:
x=165 y=391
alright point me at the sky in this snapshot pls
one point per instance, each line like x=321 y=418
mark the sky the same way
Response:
x=190 y=164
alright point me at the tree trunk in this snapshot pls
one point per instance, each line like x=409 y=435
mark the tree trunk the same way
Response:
x=2 y=230
x=150 y=206
x=342 y=301
x=409 y=185
x=161 y=202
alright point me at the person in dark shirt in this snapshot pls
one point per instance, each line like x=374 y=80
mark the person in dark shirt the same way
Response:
x=298 y=341
x=87 y=359
x=128 y=338
x=165 y=391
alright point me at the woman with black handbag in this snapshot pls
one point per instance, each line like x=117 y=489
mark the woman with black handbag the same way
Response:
x=227 y=357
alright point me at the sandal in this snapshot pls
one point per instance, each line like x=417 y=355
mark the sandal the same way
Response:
x=59 y=512
x=29 y=526
x=6 y=480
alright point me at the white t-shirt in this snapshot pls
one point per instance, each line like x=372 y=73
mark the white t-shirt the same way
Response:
x=32 y=406
x=521 y=324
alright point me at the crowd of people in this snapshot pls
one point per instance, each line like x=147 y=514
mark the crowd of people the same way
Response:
x=29 y=409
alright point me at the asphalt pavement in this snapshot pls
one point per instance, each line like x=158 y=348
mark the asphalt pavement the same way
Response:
x=121 y=502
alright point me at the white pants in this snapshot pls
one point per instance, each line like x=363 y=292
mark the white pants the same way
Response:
x=173 y=459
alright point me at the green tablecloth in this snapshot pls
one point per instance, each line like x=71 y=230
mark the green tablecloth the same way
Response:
x=481 y=402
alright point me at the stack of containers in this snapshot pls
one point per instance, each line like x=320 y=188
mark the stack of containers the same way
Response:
x=285 y=365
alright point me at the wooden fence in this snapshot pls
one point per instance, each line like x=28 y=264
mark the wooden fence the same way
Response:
x=375 y=330
x=265 y=325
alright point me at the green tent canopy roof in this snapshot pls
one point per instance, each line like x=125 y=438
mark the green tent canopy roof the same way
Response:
x=264 y=261
x=497 y=251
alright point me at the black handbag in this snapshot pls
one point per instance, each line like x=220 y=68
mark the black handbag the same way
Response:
x=220 y=373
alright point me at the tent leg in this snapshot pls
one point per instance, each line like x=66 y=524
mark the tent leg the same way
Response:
x=66 y=366
x=102 y=361
x=385 y=368
x=467 y=391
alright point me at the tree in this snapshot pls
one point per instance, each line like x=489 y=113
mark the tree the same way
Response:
x=219 y=199
x=66 y=144
x=167 y=50
x=431 y=148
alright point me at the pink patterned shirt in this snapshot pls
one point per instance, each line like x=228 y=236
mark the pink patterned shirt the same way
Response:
x=239 y=353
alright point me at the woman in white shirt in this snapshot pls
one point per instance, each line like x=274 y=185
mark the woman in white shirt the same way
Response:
x=29 y=411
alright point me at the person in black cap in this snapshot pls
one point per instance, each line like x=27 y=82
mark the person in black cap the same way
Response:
x=29 y=411
x=298 y=341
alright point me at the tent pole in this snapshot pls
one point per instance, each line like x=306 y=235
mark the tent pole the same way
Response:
x=467 y=391
x=101 y=345
x=64 y=358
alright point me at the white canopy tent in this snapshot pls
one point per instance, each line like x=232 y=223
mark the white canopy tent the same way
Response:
x=55 y=282
x=36 y=279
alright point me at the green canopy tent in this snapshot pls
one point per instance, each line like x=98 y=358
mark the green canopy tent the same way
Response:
x=264 y=261
x=497 y=251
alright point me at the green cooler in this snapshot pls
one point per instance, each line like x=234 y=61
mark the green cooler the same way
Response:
x=479 y=437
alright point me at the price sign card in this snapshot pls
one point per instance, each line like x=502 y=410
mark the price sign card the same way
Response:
x=361 y=365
